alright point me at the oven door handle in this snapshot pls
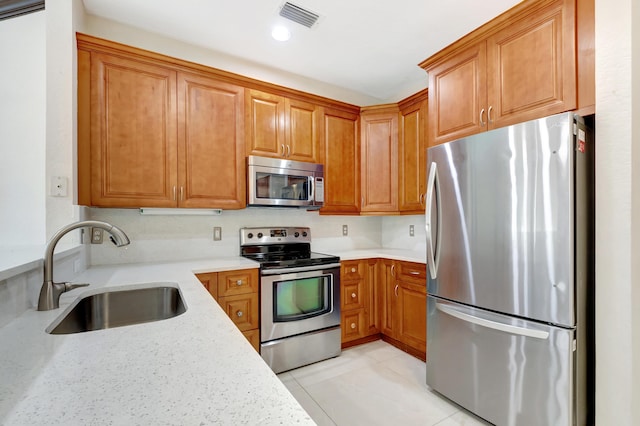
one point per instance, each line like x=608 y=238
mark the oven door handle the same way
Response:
x=298 y=269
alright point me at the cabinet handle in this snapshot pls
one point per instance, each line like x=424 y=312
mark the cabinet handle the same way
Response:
x=353 y=325
x=393 y=270
x=482 y=122
x=239 y=282
x=422 y=199
x=181 y=193
x=489 y=114
x=414 y=273
x=353 y=269
x=239 y=314
x=283 y=151
x=288 y=151
x=395 y=290
x=174 y=193
x=353 y=295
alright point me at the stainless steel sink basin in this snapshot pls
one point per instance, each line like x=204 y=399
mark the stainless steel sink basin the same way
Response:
x=120 y=306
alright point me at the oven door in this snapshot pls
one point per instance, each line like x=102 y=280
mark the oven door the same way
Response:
x=299 y=300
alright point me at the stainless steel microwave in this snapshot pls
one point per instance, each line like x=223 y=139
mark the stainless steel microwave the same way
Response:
x=284 y=183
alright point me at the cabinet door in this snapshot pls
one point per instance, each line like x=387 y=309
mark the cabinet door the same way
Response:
x=387 y=285
x=412 y=315
x=531 y=66
x=211 y=161
x=265 y=123
x=372 y=297
x=342 y=162
x=133 y=133
x=457 y=96
x=413 y=159
x=302 y=131
x=379 y=163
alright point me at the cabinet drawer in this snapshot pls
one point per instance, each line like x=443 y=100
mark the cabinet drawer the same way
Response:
x=242 y=309
x=412 y=271
x=352 y=270
x=353 y=325
x=352 y=295
x=237 y=282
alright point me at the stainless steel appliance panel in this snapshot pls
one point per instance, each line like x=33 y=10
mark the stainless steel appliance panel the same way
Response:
x=500 y=220
x=284 y=183
x=506 y=370
x=272 y=330
x=295 y=351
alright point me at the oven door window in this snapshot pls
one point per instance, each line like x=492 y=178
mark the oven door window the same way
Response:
x=299 y=299
x=282 y=187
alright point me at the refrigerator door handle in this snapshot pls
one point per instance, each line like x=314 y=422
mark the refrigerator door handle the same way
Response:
x=433 y=253
x=511 y=329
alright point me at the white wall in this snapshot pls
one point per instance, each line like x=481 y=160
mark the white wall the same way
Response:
x=22 y=129
x=617 y=205
x=121 y=33
x=63 y=19
x=166 y=238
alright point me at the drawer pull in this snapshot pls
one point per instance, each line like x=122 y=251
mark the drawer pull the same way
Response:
x=239 y=282
x=353 y=295
x=239 y=314
x=353 y=325
x=414 y=273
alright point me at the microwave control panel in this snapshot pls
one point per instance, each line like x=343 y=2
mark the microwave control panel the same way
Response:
x=319 y=189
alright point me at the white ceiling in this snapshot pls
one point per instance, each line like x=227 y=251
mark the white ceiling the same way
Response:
x=370 y=47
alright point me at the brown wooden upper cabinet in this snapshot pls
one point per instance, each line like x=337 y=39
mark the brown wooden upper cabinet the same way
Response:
x=517 y=67
x=341 y=147
x=150 y=135
x=282 y=127
x=379 y=159
x=412 y=153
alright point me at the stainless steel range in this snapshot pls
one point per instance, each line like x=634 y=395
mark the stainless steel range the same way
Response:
x=299 y=297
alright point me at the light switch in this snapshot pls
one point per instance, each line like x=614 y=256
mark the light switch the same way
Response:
x=58 y=186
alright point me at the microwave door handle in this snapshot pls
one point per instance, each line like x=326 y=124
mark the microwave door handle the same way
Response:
x=312 y=187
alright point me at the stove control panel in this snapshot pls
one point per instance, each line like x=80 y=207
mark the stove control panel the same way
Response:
x=281 y=235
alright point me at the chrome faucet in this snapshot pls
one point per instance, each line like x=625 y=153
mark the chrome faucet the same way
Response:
x=50 y=291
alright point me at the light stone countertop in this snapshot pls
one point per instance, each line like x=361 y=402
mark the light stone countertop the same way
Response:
x=386 y=253
x=194 y=369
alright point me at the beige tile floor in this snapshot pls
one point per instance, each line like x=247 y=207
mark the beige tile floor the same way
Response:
x=372 y=384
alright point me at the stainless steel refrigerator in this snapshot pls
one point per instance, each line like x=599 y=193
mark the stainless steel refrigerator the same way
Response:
x=510 y=227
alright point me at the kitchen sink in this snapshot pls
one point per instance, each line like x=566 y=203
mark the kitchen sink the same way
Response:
x=120 y=306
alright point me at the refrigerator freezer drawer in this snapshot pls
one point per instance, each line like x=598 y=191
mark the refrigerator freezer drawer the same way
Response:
x=506 y=370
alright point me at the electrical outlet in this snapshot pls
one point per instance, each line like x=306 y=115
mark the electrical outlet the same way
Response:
x=345 y=230
x=412 y=231
x=96 y=236
x=217 y=233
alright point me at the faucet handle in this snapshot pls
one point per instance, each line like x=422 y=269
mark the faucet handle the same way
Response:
x=70 y=286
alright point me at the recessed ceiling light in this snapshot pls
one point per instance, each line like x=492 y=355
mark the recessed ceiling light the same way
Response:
x=280 y=33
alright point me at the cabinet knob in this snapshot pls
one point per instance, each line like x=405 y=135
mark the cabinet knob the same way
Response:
x=239 y=282
x=353 y=325
x=353 y=295
x=239 y=314
x=353 y=269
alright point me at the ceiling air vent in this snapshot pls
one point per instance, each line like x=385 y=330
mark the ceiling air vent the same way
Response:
x=299 y=15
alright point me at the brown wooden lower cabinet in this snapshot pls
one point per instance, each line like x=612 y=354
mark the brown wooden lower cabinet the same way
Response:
x=386 y=299
x=237 y=293
x=358 y=302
